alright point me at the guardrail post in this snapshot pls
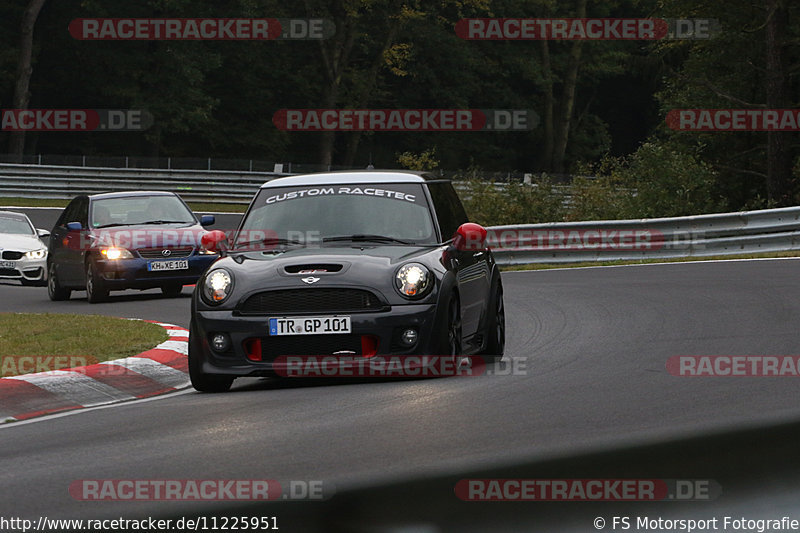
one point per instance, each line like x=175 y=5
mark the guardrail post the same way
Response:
x=209 y=163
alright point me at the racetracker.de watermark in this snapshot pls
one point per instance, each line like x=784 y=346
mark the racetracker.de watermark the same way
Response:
x=200 y=29
x=548 y=490
x=75 y=120
x=734 y=119
x=405 y=119
x=734 y=365
x=395 y=366
x=585 y=29
x=17 y=365
x=199 y=490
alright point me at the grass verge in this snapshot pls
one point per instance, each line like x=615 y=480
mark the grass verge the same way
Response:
x=584 y=264
x=97 y=338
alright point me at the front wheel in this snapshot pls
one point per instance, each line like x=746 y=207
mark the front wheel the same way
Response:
x=95 y=292
x=496 y=328
x=200 y=380
x=172 y=290
x=55 y=291
x=450 y=336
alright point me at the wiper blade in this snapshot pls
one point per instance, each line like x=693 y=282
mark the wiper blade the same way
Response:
x=112 y=225
x=166 y=222
x=269 y=240
x=368 y=238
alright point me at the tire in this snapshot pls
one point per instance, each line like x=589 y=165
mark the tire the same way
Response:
x=201 y=381
x=172 y=291
x=95 y=292
x=450 y=337
x=55 y=291
x=496 y=328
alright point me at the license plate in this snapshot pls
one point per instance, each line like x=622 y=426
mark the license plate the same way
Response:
x=309 y=325
x=155 y=266
x=8 y=264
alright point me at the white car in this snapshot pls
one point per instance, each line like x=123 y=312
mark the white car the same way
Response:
x=23 y=255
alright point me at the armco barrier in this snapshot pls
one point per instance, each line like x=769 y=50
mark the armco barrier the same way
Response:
x=43 y=181
x=769 y=230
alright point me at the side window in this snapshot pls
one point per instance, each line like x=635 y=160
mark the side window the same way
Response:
x=449 y=210
x=68 y=214
x=82 y=213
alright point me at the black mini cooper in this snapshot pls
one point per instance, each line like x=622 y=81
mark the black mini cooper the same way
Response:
x=345 y=265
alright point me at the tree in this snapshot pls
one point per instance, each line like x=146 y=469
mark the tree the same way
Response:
x=22 y=96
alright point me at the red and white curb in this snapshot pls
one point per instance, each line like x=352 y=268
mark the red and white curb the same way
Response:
x=160 y=370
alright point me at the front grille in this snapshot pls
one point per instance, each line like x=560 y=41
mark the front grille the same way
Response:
x=272 y=347
x=8 y=272
x=157 y=253
x=311 y=301
x=12 y=256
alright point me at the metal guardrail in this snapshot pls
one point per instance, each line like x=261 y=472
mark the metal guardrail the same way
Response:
x=43 y=181
x=768 y=230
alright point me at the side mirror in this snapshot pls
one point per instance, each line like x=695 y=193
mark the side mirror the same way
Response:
x=214 y=241
x=74 y=226
x=42 y=233
x=207 y=220
x=470 y=237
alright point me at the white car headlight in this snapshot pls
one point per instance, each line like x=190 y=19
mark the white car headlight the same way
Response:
x=116 y=253
x=36 y=254
x=413 y=280
x=217 y=286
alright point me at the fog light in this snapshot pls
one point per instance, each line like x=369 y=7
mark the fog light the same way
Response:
x=220 y=342
x=409 y=337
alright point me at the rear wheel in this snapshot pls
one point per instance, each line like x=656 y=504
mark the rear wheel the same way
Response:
x=200 y=380
x=172 y=290
x=54 y=289
x=95 y=292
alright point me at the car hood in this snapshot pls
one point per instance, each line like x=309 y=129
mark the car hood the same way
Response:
x=139 y=236
x=367 y=266
x=20 y=243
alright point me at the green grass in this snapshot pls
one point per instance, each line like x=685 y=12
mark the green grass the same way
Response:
x=584 y=264
x=53 y=202
x=100 y=338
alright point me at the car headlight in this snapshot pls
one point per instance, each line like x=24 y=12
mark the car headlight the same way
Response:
x=36 y=254
x=116 y=253
x=217 y=286
x=204 y=251
x=413 y=280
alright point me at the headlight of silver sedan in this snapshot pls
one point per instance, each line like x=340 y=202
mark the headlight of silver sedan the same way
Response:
x=41 y=253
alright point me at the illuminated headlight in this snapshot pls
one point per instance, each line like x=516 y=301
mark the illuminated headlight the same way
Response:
x=203 y=251
x=217 y=286
x=116 y=253
x=36 y=254
x=413 y=280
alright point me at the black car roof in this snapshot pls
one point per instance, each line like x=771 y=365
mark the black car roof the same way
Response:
x=352 y=177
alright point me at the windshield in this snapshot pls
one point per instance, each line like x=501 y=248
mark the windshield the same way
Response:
x=386 y=213
x=15 y=225
x=134 y=210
